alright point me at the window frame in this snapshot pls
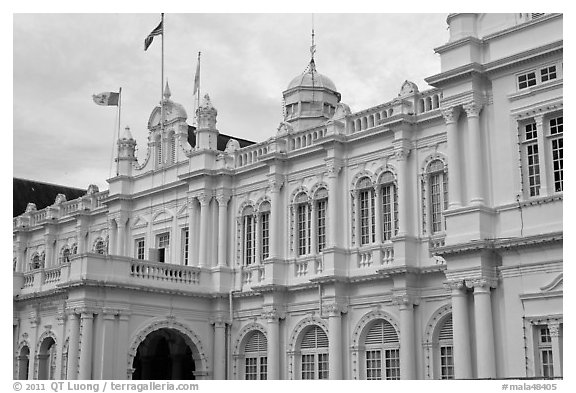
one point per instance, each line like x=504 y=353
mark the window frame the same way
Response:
x=317 y=364
x=552 y=139
x=388 y=355
x=163 y=243
x=140 y=250
x=542 y=74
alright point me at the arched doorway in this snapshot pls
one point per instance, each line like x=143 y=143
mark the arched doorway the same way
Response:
x=23 y=362
x=47 y=359
x=164 y=354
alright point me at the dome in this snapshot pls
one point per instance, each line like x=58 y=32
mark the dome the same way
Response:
x=305 y=80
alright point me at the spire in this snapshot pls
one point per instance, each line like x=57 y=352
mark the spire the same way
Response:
x=127 y=134
x=167 y=93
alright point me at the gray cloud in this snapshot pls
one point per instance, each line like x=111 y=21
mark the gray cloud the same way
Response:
x=60 y=60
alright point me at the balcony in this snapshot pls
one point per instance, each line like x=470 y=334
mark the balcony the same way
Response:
x=113 y=271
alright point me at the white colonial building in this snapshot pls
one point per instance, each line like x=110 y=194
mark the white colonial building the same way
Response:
x=420 y=238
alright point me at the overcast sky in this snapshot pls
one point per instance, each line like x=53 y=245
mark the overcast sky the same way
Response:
x=60 y=60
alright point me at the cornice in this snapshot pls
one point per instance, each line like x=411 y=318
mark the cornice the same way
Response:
x=498 y=244
x=455 y=73
x=458 y=43
x=524 y=57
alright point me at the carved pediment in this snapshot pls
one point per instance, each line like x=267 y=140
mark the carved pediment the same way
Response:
x=140 y=222
x=557 y=284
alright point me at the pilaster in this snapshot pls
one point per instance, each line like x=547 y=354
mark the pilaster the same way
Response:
x=451 y=116
x=475 y=175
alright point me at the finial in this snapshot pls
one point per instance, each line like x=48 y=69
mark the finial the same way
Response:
x=313 y=46
x=127 y=133
x=167 y=93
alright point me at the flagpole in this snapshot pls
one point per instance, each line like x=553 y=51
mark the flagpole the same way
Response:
x=198 y=98
x=162 y=81
x=118 y=140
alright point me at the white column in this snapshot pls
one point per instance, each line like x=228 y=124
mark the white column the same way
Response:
x=20 y=256
x=273 y=319
x=358 y=235
x=49 y=240
x=192 y=231
x=335 y=353
x=454 y=188
x=402 y=182
x=204 y=230
x=122 y=347
x=474 y=158
x=460 y=331
x=554 y=328
x=542 y=159
x=407 y=338
x=121 y=224
x=113 y=239
x=86 y=346
x=275 y=240
x=73 y=345
x=332 y=230
x=222 y=228
x=61 y=318
x=34 y=323
x=219 y=350
x=108 y=357
x=485 y=355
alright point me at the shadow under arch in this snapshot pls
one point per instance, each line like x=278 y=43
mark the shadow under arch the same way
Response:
x=166 y=349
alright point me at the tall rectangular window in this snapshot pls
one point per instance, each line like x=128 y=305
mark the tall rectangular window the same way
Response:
x=251 y=370
x=263 y=368
x=392 y=364
x=374 y=364
x=265 y=231
x=321 y=224
x=140 y=248
x=447 y=362
x=185 y=241
x=532 y=159
x=545 y=352
x=308 y=363
x=322 y=366
x=249 y=239
x=163 y=241
x=557 y=141
x=303 y=218
x=387 y=211
x=435 y=201
x=366 y=218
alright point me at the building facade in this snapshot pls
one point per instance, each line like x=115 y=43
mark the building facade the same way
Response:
x=420 y=238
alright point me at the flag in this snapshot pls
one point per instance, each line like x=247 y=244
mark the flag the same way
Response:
x=197 y=77
x=157 y=31
x=106 y=99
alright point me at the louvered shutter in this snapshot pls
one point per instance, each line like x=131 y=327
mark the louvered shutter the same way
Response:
x=381 y=332
x=446 y=331
x=256 y=343
x=314 y=338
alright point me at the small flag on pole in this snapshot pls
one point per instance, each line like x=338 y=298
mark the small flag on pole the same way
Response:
x=157 y=31
x=106 y=99
x=197 y=77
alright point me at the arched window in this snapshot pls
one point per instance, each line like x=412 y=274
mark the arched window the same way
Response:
x=172 y=142
x=99 y=246
x=249 y=235
x=422 y=109
x=256 y=357
x=389 y=200
x=74 y=249
x=436 y=101
x=382 y=351
x=314 y=354
x=65 y=255
x=366 y=217
x=445 y=353
x=303 y=223
x=437 y=195
x=23 y=362
x=264 y=228
x=36 y=262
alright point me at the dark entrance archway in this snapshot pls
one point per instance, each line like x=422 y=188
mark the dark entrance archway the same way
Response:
x=164 y=354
